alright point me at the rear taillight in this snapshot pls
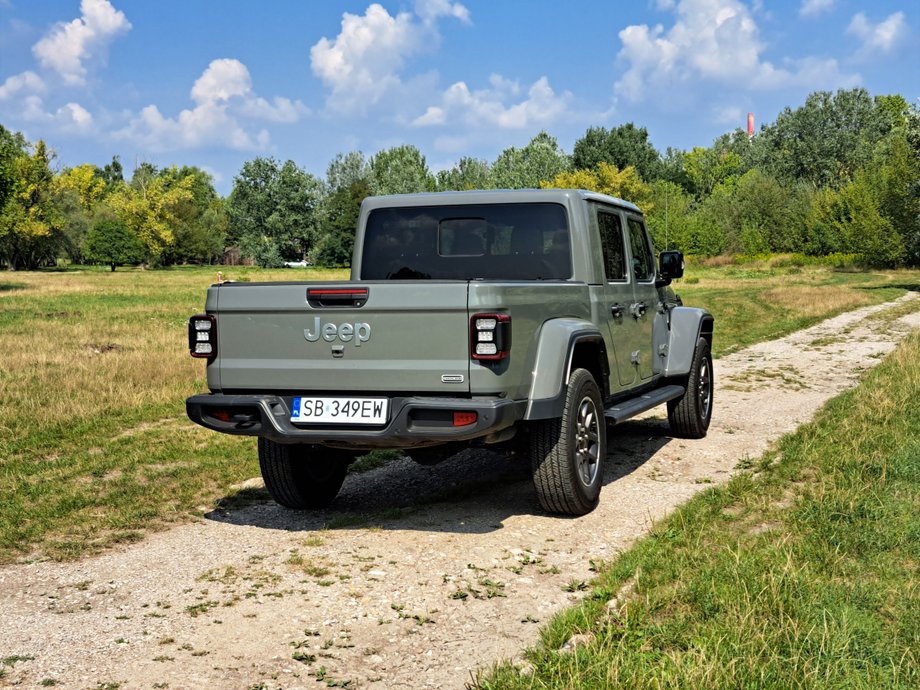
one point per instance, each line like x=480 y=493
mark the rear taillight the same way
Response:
x=202 y=335
x=490 y=336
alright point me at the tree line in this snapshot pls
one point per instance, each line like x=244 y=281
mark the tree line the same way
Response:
x=838 y=175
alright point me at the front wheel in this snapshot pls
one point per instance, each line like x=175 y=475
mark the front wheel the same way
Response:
x=300 y=476
x=567 y=454
x=690 y=414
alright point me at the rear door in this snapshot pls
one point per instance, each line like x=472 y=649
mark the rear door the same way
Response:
x=394 y=337
x=645 y=294
x=622 y=332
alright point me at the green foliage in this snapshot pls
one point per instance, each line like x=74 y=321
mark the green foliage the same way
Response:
x=30 y=225
x=347 y=169
x=12 y=146
x=623 y=146
x=263 y=250
x=340 y=220
x=468 y=173
x=825 y=141
x=400 y=170
x=111 y=242
x=273 y=204
x=849 y=220
x=708 y=168
x=201 y=222
x=669 y=217
x=605 y=179
x=526 y=168
x=151 y=207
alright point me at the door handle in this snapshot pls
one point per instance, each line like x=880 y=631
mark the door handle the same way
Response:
x=616 y=310
x=638 y=309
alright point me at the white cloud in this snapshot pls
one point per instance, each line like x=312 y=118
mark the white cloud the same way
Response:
x=71 y=118
x=490 y=107
x=28 y=82
x=208 y=124
x=714 y=40
x=221 y=81
x=432 y=10
x=67 y=47
x=812 y=8
x=881 y=38
x=222 y=94
x=363 y=63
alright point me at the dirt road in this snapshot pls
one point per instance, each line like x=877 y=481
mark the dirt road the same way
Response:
x=452 y=567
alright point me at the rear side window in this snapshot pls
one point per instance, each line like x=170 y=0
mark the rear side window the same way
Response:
x=487 y=241
x=612 y=245
x=643 y=261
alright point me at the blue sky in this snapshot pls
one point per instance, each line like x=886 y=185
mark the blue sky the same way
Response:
x=213 y=84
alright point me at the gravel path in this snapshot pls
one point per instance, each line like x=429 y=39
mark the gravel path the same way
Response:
x=451 y=568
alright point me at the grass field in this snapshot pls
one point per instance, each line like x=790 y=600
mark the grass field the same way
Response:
x=95 y=448
x=802 y=573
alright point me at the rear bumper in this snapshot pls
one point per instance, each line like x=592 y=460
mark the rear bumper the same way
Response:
x=269 y=416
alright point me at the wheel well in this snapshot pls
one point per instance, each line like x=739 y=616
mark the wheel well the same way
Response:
x=591 y=355
x=706 y=328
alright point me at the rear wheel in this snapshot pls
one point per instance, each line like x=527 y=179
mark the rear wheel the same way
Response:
x=300 y=476
x=690 y=415
x=567 y=454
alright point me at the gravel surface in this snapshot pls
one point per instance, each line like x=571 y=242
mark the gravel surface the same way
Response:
x=423 y=574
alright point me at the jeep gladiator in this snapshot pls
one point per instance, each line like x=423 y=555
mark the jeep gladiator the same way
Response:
x=532 y=318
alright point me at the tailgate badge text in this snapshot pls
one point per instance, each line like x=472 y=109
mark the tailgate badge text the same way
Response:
x=359 y=332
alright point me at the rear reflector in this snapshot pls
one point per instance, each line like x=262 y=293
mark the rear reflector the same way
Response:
x=464 y=418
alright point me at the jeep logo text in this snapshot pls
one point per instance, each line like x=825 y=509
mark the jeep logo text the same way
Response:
x=359 y=332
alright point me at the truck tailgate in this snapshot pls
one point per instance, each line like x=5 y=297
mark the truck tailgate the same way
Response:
x=402 y=337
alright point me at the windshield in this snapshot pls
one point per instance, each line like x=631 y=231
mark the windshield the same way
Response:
x=487 y=241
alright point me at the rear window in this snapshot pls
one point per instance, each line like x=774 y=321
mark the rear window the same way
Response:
x=488 y=241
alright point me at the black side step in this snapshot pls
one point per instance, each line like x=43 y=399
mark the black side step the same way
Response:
x=630 y=408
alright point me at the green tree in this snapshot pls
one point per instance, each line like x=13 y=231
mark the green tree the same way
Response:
x=525 y=168
x=151 y=208
x=340 y=220
x=347 y=168
x=401 y=170
x=709 y=167
x=30 y=225
x=849 y=220
x=276 y=204
x=468 y=173
x=113 y=174
x=201 y=220
x=86 y=180
x=668 y=219
x=825 y=141
x=605 y=179
x=111 y=242
x=12 y=146
x=623 y=146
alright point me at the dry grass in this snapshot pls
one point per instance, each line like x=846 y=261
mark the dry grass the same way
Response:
x=94 y=442
x=812 y=301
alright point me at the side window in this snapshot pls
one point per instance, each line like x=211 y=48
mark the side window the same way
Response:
x=643 y=261
x=612 y=244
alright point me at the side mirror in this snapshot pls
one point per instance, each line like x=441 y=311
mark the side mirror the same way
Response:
x=670 y=266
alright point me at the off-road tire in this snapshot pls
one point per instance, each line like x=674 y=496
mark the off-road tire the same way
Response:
x=690 y=414
x=567 y=454
x=302 y=477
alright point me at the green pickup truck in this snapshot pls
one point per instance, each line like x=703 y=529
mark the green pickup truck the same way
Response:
x=536 y=318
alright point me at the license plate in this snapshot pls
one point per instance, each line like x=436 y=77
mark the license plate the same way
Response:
x=340 y=410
